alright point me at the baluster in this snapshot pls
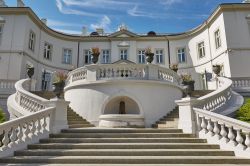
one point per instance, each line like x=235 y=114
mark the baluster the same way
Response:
x=39 y=127
x=27 y=132
x=231 y=136
x=247 y=141
x=13 y=136
x=203 y=125
x=44 y=125
x=216 y=131
x=33 y=129
x=20 y=134
x=6 y=139
x=210 y=128
x=239 y=140
x=198 y=123
x=223 y=133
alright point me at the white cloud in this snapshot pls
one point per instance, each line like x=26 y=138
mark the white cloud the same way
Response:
x=138 y=13
x=170 y=2
x=103 y=23
x=56 y=23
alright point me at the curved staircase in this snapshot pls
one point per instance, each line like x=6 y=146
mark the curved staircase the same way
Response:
x=76 y=121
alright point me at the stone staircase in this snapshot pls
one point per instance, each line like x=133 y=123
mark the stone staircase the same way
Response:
x=96 y=146
x=168 y=121
x=76 y=121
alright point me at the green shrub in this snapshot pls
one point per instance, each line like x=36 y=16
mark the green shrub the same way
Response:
x=244 y=112
x=2 y=116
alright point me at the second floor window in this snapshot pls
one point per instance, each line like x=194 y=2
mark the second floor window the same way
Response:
x=141 y=56
x=105 y=56
x=1 y=32
x=181 y=55
x=67 y=56
x=87 y=56
x=159 y=56
x=217 y=39
x=32 y=39
x=201 y=49
x=124 y=54
x=47 y=54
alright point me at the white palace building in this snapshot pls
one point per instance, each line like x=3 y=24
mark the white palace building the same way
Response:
x=109 y=108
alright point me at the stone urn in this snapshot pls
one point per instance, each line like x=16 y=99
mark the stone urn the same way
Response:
x=58 y=88
x=30 y=71
x=95 y=57
x=175 y=69
x=216 y=69
x=149 y=57
x=190 y=86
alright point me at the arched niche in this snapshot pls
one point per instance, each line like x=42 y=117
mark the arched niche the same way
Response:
x=122 y=105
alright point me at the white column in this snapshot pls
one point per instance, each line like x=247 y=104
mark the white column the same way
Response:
x=59 y=118
x=152 y=72
x=186 y=115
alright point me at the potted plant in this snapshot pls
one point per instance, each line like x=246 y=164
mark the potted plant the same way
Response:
x=30 y=71
x=217 y=69
x=149 y=55
x=95 y=52
x=59 y=83
x=189 y=82
x=174 y=67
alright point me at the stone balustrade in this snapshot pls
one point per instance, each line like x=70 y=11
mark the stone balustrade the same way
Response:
x=28 y=101
x=123 y=72
x=230 y=134
x=241 y=82
x=7 y=86
x=18 y=133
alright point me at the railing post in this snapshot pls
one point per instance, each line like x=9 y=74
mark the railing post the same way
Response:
x=92 y=72
x=58 y=121
x=187 y=120
x=152 y=72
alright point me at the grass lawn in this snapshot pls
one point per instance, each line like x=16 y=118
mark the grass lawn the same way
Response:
x=243 y=113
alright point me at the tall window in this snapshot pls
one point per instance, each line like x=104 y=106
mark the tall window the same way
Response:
x=181 y=55
x=141 y=56
x=124 y=54
x=32 y=39
x=1 y=32
x=47 y=54
x=201 y=49
x=67 y=56
x=217 y=39
x=87 y=56
x=105 y=56
x=159 y=56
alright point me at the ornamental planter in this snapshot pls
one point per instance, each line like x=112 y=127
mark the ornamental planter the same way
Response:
x=58 y=88
x=190 y=86
x=216 y=69
x=175 y=70
x=30 y=71
x=95 y=57
x=149 y=57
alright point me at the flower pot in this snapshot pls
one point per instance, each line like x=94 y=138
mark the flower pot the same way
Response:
x=30 y=71
x=175 y=70
x=95 y=57
x=58 y=88
x=190 y=86
x=216 y=69
x=149 y=57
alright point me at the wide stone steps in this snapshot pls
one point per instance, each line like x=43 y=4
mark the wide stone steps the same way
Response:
x=127 y=160
x=168 y=121
x=124 y=152
x=76 y=121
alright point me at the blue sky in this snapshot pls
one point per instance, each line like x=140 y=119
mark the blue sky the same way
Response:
x=141 y=16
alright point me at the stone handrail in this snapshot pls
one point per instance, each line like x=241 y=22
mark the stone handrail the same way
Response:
x=123 y=71
x=239 y=82
x=217 y=99
x=18 y=133
x=229 y=133
x=26 y=100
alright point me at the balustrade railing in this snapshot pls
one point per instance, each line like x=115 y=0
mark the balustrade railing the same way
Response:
x=241 y=82
x=26 y=100
x=123 y=71
x=7 y=86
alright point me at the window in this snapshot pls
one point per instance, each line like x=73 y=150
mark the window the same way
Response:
x=32 y=39
x=67 y=56
x=159 y=56
x=105 y=56
x=87 y=56
x=124 y=54
x=201 y=50
x=47 y=54
x=141 y=56
x=1 y=32
x=217 y=39
x=181 y=55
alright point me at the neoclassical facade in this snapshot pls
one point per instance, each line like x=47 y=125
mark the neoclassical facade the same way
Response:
x=224 y=39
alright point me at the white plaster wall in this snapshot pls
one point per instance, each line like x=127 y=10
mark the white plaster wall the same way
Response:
x=154 y=99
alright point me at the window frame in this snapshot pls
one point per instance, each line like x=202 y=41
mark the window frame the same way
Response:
x=217 y=44
x=181 y=53
x=141 y=56
x=1 y=32
x=158 y=54
x=70 y=56
x=32 y=48
x=122 y=54
x=87 y=55
x=105 y=55
x=51 y=51
x=202 y=48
